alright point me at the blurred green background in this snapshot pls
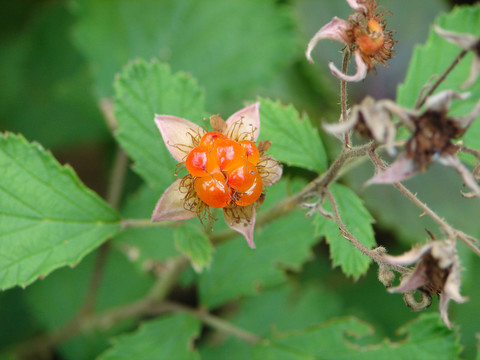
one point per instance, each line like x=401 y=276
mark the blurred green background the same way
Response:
x=58 y=59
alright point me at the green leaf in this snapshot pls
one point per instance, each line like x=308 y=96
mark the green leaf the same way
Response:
x=290 y=306
x=48 y=218
x=426 y=338
x=144 y=244
x=295 y=307
x=142 y=90
x=55 y=300
x=295 y=141
x=228 y=54
x=434 y=57
x=237 y=270
x=358 y=221
x=194 y=243
x=169 y=337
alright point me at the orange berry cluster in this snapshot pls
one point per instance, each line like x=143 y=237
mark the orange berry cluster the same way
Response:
x=225 y=170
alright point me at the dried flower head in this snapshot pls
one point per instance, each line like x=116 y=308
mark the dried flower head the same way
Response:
x=364 y=34
x=431 y=140
x=225 y=168
x=374 y=120
x=467 y=42
x=437 y=272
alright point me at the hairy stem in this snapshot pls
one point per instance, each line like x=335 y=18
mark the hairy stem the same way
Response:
x=470 y=151
x=447 y=228
x=441 y=79
x=374 y=255
x=343 y=93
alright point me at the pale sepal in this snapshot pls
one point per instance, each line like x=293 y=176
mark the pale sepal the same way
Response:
x=465 y=41
x=336 y=29
x=409 y=257
x=413 y=281
x=441 y=102
x=357 y=5
x=270 y=170
x=178 y=134
x=340 y=128
x=474 y=72
x=244 y=124
x=378 y=120
x=358 y=76
x=401 y=169
x=451 y=291
x=242 y=220
x=170 y=206
x=467 y=120
x=466 y=175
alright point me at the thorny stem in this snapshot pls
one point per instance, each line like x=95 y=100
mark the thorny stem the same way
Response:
x=343 y=93
x=449 y=230
x=470 y=151
x=377 y=257
x=441 y=78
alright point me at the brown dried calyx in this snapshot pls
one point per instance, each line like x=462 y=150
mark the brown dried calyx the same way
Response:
x=432 y=133
x=437 y=272
x=433 y=136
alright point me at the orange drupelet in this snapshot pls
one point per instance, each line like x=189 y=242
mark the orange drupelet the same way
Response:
x=225 y=170
x=213 y=190
x=252 y=194
x=252 y=152
x=242 y=177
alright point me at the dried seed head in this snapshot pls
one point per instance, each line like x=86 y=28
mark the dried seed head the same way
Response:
x=437 y=272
